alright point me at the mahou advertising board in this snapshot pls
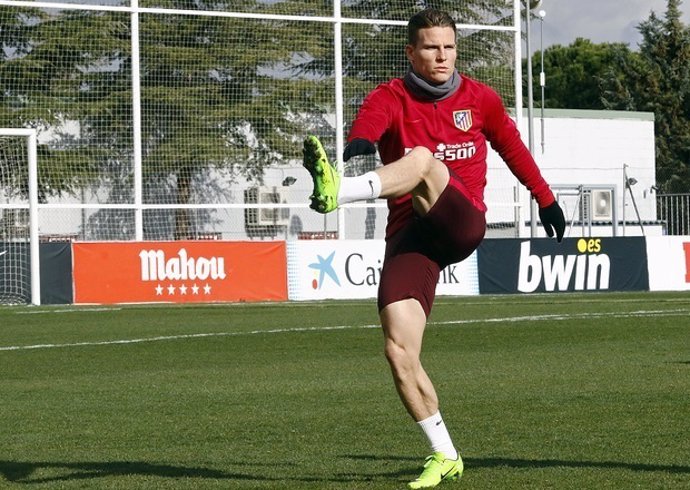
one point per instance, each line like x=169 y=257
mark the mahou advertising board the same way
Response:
x=178 y=272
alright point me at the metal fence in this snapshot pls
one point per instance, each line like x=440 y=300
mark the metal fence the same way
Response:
x=674 y=211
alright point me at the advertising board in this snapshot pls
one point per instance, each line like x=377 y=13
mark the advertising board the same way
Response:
x=348 y=269
x=576 y=264
x=179 y=272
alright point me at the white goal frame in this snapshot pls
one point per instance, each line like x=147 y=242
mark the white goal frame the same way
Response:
x=32 y=159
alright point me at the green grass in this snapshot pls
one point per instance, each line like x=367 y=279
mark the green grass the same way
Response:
x=547 y=391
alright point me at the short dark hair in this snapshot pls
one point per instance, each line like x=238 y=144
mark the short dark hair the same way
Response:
x=425 y=19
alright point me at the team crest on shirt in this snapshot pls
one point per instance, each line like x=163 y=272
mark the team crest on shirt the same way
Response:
x=463 y=119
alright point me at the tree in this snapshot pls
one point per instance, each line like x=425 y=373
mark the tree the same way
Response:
x=218 y=93
x=214 y=94
x=658 y=81
x=654 y=79
x=40 y=90
x=574 y=73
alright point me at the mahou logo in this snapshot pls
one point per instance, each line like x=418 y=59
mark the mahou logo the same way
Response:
x=155 y=266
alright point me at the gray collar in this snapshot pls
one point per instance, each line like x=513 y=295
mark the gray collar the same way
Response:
x=427 y=91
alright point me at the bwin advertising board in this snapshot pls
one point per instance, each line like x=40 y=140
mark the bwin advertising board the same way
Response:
x=576 y=264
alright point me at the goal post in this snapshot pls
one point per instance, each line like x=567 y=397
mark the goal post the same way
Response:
x=19 y=244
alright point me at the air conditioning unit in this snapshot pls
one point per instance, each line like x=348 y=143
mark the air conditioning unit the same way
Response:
x=265 y=216
x=602 y=204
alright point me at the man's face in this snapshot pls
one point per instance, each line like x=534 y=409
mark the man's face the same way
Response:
x=433 y=56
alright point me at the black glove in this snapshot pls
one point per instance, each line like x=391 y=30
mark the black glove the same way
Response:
x=552 y=219
x=358 y=146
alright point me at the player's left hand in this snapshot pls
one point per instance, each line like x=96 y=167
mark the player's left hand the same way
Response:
x=552 y=219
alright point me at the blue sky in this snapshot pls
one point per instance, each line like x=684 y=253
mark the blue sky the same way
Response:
x=598 y=20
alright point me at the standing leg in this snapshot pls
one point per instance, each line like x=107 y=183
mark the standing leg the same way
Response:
x=403 y=327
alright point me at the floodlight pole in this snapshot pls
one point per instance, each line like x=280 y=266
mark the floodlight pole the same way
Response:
x=628 y=182
x=625 y=187
x=530 y=95
x=339 y=111
x=530 y=107
x=542 y=76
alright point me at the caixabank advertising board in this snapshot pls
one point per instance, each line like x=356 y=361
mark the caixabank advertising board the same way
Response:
x=348 y=269
x=575 y=265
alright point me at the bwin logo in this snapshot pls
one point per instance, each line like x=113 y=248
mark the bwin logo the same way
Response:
x=557 y=272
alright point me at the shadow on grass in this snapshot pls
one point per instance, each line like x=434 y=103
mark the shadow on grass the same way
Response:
x=23 y=472
x=542 y=463
x=549 y=463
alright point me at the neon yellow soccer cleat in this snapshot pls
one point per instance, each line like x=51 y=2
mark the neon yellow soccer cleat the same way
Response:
x=326 y=179
x=437 y=469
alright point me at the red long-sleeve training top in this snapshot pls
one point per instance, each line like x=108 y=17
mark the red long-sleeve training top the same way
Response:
x=455 y=130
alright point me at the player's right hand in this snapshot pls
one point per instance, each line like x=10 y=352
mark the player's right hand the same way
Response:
x=358 y=146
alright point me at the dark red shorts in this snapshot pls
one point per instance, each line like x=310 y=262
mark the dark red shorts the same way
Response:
x=415 y=255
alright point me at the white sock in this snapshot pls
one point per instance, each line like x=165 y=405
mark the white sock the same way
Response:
x=366 y=186
x=435 y=430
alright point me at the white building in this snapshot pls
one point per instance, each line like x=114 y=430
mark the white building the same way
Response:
x=587 y=150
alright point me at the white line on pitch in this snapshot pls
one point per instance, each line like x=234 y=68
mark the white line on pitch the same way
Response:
x=185 y=336
x=68 y=310
x=559 y=316
x=529 y=318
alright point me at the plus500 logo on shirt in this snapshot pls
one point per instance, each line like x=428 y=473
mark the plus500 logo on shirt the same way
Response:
x=452 y=152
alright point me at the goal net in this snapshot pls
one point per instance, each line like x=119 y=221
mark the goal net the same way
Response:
x=194 y=129
x=17 y=162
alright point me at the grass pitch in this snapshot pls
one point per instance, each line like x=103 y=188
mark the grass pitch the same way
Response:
x=547 y=391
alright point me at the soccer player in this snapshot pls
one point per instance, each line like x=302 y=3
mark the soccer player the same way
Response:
x=431 y=128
